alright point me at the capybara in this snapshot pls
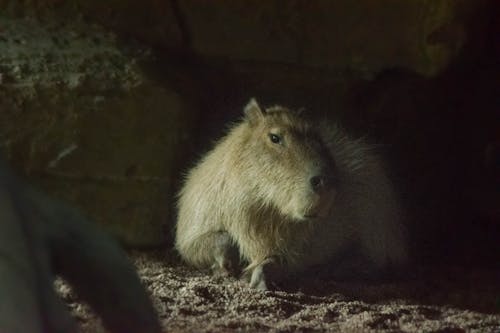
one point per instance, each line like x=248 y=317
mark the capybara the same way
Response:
x=288 y=194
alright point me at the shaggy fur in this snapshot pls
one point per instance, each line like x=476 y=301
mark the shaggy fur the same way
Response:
x=257 y=191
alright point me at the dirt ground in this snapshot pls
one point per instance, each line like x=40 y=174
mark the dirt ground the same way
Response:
x=445 y=299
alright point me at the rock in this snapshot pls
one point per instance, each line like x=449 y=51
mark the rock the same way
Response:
x=152 y=21
x=82 y=119
x=364 y=37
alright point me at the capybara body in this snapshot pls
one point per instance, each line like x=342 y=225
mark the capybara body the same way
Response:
x=288 y=194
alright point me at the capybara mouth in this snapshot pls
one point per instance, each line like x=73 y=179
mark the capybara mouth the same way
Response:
x=319 y=211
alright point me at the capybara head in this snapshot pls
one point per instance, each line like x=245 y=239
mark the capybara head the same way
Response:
x=290 y=167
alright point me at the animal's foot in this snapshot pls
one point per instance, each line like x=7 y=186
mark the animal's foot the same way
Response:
x=264 y=274
x=226 y=258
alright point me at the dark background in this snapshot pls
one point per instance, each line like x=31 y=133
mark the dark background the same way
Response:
x=424 y=86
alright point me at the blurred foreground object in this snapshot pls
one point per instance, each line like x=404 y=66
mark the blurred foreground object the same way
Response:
x=41 y=237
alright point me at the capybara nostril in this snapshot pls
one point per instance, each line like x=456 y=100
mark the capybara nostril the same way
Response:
x=317 y=183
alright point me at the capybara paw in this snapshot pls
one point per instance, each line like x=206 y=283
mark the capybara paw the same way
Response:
x=258 y=279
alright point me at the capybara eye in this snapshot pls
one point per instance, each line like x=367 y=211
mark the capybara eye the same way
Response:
x=275 y=138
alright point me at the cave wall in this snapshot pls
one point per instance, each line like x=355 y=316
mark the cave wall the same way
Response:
x=80 y=117
x=104 y=103
x=362 y=36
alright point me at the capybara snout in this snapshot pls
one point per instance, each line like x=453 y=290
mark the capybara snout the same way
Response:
x=294 y=158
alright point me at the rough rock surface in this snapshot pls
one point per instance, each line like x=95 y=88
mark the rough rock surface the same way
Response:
x=365 y=36
x=448 y=299
x=80 y=117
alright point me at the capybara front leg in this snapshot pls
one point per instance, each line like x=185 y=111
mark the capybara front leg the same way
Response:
x=265 y=273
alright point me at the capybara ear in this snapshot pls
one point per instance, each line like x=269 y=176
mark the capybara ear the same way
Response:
x=253 y=112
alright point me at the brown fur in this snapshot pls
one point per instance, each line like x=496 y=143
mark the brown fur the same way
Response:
x=290 y=204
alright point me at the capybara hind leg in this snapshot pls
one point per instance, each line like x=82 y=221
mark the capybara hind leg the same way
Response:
x=215 y=250
x=226 y=256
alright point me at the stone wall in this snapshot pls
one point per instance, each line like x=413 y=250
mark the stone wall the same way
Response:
x=363 y=36
x=79 y=115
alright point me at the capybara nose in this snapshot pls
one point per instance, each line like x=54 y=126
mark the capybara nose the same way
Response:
x=317 y=183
